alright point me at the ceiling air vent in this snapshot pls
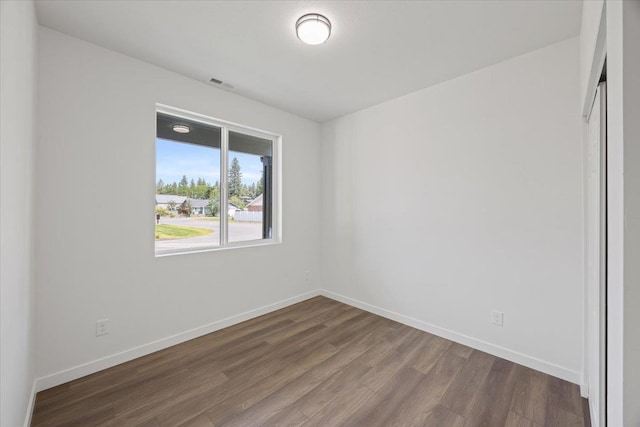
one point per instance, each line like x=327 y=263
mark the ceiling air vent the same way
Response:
x=222 y=84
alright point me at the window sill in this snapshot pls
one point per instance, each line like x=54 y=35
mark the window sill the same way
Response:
x=233 y=245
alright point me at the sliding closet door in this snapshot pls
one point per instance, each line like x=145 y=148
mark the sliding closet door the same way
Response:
x=596 y=257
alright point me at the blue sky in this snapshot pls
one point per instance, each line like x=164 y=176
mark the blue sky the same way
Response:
x=174 y=159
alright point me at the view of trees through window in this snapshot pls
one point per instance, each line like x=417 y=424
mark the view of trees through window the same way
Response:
x=239 y=192
x=188 y=211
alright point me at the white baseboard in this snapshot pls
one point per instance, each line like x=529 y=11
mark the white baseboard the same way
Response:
x=513 y=356
x=85 y=369
x=30 y=406
x=584 y=390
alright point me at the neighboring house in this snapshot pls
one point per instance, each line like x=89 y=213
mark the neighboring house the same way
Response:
x=163 y=200
x=255 y=205
x=199 y=206
x=232 y=209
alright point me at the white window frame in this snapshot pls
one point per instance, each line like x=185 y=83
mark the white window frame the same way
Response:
x=225 y=127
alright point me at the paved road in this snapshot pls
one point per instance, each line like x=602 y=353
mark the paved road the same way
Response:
x=238 y=231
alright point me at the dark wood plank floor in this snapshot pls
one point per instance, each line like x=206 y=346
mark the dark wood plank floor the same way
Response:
x=317 y=363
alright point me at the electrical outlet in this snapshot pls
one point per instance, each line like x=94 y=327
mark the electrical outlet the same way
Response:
x=307 y=276
x=102 y=327
x=497 y=317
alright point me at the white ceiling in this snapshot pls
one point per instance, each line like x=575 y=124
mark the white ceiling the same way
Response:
x=377 y=50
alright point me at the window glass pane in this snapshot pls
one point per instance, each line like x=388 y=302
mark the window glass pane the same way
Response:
x=187 y=210
x=249 y=187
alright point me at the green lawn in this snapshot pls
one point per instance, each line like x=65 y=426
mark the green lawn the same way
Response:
x=165 y=232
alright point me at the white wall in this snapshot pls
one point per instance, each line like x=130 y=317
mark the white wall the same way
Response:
x=17 y=113
x=95 y=259
x=463 y=198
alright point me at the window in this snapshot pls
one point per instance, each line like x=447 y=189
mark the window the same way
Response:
x=216 y=184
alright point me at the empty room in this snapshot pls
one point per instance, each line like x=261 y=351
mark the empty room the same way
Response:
x=320 y=213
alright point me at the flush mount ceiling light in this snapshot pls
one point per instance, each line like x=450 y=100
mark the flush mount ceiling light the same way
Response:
x=181 y=128
x=313 y=29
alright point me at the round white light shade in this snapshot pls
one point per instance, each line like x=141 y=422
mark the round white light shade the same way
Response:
x=181 y=128
x=313 y=29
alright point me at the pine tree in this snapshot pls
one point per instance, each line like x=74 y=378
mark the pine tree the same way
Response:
x=260 y=186
x=182 y=186
x=235 y=178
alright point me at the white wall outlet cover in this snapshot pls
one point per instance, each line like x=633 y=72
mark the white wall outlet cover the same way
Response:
x=102 y=327
x=497 y=318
